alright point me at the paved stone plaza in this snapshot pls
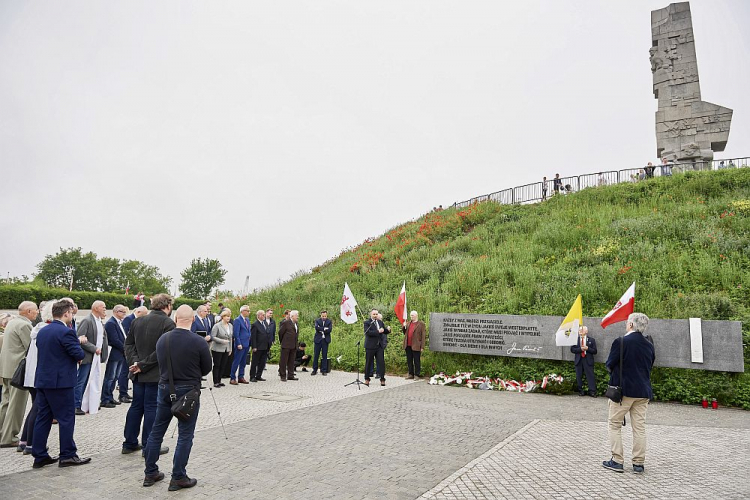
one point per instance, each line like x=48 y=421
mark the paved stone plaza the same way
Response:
x=407 y=440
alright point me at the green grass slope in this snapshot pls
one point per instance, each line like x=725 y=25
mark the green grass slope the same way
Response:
x=685 y=240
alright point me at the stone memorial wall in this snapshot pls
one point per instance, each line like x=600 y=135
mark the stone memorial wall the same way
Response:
x=680 y=343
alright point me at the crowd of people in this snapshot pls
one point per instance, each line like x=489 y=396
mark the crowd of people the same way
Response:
x=76 y=368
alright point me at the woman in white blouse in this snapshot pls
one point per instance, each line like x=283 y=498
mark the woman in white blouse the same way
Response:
x=221 y=345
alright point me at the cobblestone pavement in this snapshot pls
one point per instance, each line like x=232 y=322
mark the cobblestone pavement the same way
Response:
x=410 y=440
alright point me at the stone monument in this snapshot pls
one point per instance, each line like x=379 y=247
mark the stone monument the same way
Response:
x=687 y=129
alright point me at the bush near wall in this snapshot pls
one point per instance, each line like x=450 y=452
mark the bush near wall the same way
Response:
x=12 y=295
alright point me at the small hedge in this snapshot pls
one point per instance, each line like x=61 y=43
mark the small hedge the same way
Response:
x=12 y=295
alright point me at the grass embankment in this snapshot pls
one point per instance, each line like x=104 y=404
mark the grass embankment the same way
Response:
x=685 y=240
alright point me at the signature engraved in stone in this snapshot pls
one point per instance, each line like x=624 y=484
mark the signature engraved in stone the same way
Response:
x=526 y=348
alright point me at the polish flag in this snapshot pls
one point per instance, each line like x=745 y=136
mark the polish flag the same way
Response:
x=622 y=309
x=400 y=308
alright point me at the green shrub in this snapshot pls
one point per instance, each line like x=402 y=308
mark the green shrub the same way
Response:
x=12 y=295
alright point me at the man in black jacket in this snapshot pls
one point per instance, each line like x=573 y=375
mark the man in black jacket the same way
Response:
x=140 y=350
x=260 y=342
x=585 y=349
x=374 y=328
x=190 y=359
x=637 y=360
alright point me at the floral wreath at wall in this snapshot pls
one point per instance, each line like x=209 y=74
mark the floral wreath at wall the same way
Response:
x=467 y=379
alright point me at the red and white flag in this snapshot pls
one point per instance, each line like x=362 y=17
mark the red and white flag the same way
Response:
x=622 y=309
x=348 y=306
x=400 y=308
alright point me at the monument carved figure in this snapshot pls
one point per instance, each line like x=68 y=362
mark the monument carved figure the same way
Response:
x=687 y=129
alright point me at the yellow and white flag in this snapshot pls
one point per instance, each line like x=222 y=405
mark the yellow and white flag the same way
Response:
x=567 y=334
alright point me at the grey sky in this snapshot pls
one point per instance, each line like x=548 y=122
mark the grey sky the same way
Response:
x=272 y=135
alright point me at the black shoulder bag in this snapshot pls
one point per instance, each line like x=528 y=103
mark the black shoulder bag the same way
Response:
x=185 y=406
x=614 y=392
x=19 y=376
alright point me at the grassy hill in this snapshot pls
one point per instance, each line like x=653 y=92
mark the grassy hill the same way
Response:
x=685 y=240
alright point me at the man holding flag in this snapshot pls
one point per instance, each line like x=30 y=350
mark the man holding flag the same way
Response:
x=414 y=333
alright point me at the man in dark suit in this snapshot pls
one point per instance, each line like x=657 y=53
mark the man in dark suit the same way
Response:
x=201 y=324
x=209 y=315
x=122 y=378
x=323 y=327
x=585 y=350
x=271 y=330
x=58 y=354
x=140 y=351
x=288 y=337
x=116 y=338
x=637 y=361
x=260 y=342
x=91 y=328
x=374 y=328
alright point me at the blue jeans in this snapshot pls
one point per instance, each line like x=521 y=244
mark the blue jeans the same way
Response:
x=82 y=378
x=142 y=407
x=110 y=378
x=186 y=431
x=321 y=346
x=240 y=360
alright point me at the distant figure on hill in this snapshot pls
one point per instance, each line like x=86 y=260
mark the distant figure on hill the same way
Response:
x=666 y=168
x=557 y=184
x=650 y=170
x=544 y=188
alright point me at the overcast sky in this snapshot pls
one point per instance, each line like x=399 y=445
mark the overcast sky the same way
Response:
x=271 y=135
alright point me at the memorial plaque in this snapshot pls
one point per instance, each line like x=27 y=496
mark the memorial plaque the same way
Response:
x=534 y=337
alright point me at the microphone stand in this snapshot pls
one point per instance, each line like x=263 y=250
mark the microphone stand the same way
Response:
x=358 y=381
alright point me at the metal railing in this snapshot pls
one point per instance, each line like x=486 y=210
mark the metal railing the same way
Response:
x=538 y=191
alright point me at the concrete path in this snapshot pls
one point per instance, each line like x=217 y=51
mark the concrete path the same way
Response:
x=407 y=440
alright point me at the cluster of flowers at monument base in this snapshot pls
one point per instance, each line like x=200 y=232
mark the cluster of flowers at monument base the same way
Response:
x=548 y=383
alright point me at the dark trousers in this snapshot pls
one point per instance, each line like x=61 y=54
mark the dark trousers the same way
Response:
x=320 y=347
x=142 y=407
x=286 y=363
x=82 y=378
x=239 y=363
x=186 y=432
x=414 y=361
x=371 y=355
x=60 y=405
x=122 y=379
x=258 y=363
x=588 y=369
x=110 y=378
x=27 y=434
x=220 y=359
x=228 y=367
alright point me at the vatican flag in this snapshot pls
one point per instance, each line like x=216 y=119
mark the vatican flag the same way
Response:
x=567 y=334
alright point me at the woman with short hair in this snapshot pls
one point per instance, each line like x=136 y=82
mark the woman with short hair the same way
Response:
x=221 y=346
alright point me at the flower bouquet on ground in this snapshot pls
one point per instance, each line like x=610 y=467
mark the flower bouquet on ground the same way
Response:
x=550 y=383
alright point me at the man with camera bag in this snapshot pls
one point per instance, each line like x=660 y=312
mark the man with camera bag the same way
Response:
x=629 y=364
x=189 y=360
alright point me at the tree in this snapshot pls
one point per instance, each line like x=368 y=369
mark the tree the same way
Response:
x=104 y=274
x=201 y=277
x=70 y=264
x=143 y=278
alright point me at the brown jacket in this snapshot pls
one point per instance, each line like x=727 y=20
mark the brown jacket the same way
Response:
x=418 y=337
x=288 y=335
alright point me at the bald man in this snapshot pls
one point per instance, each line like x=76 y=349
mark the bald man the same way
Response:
x=15 y=344
x=190 y=359
x=93 y=329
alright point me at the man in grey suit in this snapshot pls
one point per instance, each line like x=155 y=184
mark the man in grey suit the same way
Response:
x=17 y=340
x=90 y=328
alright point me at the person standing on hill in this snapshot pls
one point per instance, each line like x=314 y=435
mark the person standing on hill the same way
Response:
x=544 y=188
x=414 y=334
x=323 y=327
x=557 y=184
